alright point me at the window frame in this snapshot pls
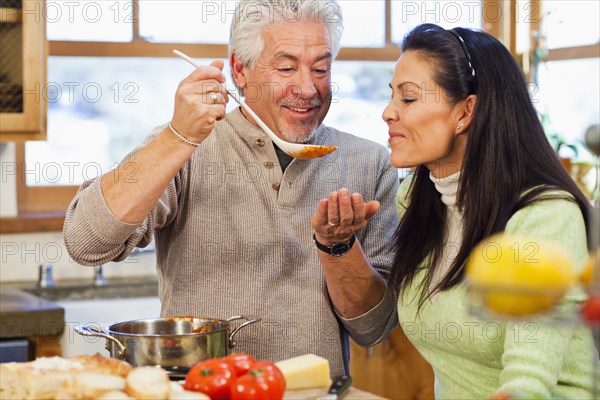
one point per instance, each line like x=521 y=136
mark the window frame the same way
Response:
x=42 y=208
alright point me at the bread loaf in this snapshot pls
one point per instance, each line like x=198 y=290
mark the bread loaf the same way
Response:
x=101 y=364
x=87 y=377
x=37 y=380
x=149 y=383
x=179 y=393
x=115 y=395
x=92 y=385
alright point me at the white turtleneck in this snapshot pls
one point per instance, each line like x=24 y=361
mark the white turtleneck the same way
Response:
x=448 y=189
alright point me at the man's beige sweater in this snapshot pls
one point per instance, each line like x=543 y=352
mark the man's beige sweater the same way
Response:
x=233 y=237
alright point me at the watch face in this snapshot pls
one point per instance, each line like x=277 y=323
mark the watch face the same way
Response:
x=339 y=248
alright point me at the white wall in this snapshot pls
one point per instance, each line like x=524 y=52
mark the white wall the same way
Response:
x=8 y=180
x=22 y=253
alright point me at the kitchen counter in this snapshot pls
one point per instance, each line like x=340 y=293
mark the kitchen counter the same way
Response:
x=80 y=289
x=25 y=315
x=306 y=394
x=28 y=311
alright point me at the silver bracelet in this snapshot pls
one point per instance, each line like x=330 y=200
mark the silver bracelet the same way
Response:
x=181 y=137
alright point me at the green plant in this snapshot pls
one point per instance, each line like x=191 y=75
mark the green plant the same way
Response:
x=559 y=143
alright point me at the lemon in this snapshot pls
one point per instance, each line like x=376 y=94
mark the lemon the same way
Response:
x=518 y=276
x=590 y=274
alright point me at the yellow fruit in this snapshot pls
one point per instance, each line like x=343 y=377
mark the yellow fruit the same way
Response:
x=517 y=276
x=591 y=274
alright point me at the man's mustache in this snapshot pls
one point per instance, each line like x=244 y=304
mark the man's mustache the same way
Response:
x=296 y=103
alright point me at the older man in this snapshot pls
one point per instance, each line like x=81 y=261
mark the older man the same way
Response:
x=230 y=212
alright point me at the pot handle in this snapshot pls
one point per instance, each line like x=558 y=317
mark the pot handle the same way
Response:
x=95 y=331
x=249 y=320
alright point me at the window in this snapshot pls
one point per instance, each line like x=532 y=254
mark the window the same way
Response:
x=99 y=109
x=568 y=96
x=186 y=21
x=567 y=81
x=363 y=23
x=102 y=113
x=571 y=23
x=113 y=78
x=88 y=20
x=408 y=14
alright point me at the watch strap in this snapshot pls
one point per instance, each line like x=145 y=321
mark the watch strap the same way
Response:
x=336 y=249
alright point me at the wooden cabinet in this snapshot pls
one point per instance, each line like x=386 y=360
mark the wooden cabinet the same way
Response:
x=393 y=369
x=23 y=54
x=47 y=346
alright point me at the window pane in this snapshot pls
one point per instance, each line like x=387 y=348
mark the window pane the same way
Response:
x=364 y=23
x=568 y=106
x=97 y=115
x=523 y=25
x=571 y=23
x=88 y=20
x=360 y=93
x=201 y=21
x=208 y=21
x=448 y=14
x=99 y=109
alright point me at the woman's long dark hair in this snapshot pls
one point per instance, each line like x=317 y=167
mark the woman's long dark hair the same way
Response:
x=507 y=154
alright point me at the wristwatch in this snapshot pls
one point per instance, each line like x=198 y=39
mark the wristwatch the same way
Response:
x=336 y=249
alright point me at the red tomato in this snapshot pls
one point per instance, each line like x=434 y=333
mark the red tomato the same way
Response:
x=212 y=377
x=591 y=310
x=263 y=381
x=501 y=397
x=241 y=362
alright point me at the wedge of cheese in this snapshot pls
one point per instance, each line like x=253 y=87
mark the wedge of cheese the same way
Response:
x=303 y=372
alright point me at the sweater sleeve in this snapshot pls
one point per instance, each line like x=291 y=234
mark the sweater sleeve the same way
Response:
x=534 y=352
x=377 y=242
x=92 y=233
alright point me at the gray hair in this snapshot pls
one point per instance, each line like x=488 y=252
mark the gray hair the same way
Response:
x=252 y=16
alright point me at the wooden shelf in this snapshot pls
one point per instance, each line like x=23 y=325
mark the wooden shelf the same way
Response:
x=11 y=15
x=35 y=222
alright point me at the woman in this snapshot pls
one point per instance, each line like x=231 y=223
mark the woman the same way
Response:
x=461 y=115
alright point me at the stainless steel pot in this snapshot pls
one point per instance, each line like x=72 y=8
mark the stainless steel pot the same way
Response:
x=169 y=342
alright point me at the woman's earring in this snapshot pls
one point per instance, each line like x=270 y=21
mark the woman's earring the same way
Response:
x=459 y=127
